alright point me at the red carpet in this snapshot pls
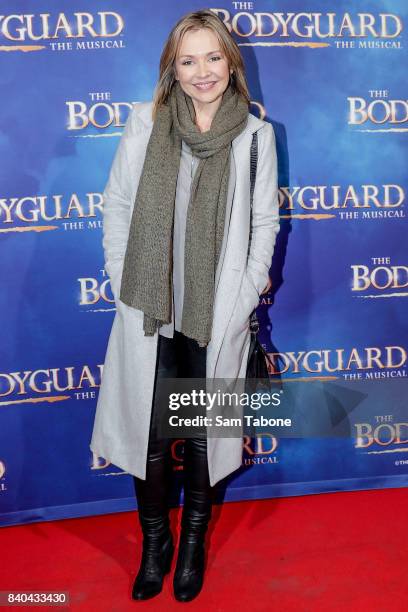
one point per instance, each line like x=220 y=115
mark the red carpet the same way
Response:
x=337 y=551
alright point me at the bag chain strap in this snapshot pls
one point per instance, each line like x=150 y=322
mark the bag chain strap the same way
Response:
x=253 y=320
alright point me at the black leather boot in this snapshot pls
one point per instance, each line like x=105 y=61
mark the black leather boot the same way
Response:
x=189 y=573
x=158 y=547
x=156 y=562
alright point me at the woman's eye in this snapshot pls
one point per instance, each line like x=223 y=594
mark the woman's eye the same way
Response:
x=214 y=57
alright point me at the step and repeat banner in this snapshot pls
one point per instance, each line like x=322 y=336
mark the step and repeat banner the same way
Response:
x=331 y=79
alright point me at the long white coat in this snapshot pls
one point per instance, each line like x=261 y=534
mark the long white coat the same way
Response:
x=122 y=419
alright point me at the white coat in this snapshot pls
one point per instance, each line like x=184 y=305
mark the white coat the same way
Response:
x=122 y=419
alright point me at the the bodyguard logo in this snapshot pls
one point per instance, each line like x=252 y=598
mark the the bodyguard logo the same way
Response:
x=384 y=431
x=98 y=111
x=61 y=32
x=44 y=213
x=304 y=29
x=377 y=111
x=95 y=293
x=350 y=202
x=50 y=385
x=355 y=363
x=260 y=449
x=379 y=278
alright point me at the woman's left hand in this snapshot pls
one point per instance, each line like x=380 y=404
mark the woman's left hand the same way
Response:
x=268 y=286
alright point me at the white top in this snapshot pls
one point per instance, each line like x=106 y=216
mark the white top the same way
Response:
x=188 y=165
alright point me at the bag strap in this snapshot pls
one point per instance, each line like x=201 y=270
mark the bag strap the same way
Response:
x=254 y=324
x=253 y=164
x=252 y=175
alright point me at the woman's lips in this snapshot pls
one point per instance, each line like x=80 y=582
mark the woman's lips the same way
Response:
x=205 y=86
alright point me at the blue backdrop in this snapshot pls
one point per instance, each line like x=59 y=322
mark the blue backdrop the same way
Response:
x=331 y=78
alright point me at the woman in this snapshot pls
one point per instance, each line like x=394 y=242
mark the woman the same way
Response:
x=176 y=237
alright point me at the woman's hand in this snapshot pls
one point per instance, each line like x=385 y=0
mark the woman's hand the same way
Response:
x=268 y=286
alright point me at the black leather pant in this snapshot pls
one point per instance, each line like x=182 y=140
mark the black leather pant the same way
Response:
x=180 y=357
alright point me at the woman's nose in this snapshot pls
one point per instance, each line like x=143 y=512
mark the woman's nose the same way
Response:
x=202 y=69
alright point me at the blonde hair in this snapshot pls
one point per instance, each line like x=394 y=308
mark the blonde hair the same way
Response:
x=204 y=18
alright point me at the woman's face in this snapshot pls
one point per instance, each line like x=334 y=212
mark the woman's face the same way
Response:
x=201 y=67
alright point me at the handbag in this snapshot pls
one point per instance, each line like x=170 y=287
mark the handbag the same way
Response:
x=258 y=359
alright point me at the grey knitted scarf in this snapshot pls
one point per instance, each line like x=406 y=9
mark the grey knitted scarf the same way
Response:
x=147 y=270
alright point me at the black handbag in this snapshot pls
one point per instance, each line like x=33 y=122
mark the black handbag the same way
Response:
x=258 y=359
